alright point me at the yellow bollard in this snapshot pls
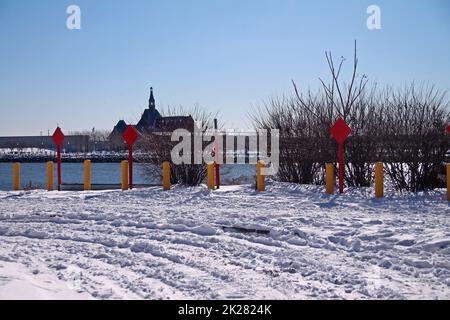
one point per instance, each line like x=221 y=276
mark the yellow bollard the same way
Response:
x=330 y=180
x=50 y=176
x=87 y=175
x=16 y=176
x=379 y=180
x=211 y=168
x=448 y=181
x=260 y=178
x=166 y=175
x=124 y=175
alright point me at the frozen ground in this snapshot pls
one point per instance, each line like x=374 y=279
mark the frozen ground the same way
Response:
x=292 y=242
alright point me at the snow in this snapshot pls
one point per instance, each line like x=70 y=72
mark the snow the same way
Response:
x=18 y=282
x=291 y=242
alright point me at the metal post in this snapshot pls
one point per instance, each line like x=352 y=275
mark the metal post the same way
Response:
x=448 y=181
x=87 y=175
x=16 y=176
x=341 y=168
x=216 y=151
x=124 y=166
x=330 y=178
x=130 y=165
x=379 y=192
x=50 y=176
x=166 y=175
x=211 y=175
x=58 y=158
x=260 y=178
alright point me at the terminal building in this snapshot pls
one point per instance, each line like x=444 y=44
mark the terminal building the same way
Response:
x=151 y=122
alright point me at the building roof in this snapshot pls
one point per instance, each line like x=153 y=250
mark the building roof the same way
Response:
x=120 y=127
x=148 y=119
x=151 y=120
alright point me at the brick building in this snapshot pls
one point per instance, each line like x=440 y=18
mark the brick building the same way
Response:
x=151 y=122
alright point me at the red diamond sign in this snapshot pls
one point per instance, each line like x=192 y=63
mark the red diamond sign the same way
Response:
x=130 y=135
x=340 y=130
x=448 y=129
x=58 y=137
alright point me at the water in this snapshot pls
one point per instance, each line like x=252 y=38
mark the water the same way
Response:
x=35 y=174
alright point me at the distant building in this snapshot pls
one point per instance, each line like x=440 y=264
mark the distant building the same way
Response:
x=151 y=122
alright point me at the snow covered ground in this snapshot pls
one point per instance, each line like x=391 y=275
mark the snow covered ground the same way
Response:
x=291 y=242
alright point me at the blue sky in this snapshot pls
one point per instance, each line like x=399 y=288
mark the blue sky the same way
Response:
x=225 y=55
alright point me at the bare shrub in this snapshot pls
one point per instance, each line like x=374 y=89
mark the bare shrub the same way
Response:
x=415 y=140
x=298 y=136
x=304 y=121
x=404 y=128
x=155 y=148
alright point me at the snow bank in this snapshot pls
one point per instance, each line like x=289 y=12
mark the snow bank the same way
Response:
x=291 y=242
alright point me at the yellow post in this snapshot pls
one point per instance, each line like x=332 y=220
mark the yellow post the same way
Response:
x=50 y=176
x=16 y=176
x=124 y=175
x=379 y=179
x=330 y=180
x=448 y=181
x=166 y=175
x=260 y=178
x=211 y=176
x=87 y=175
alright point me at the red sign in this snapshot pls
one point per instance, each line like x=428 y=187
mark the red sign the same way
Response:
x=340 y=130
x=130 y=135
x=58 y=137
x=448 y=129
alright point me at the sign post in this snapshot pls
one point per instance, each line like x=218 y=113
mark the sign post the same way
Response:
x=130 y=136
x=340 y=131
x=448 y=174
x=216 y=154
x=58 y=138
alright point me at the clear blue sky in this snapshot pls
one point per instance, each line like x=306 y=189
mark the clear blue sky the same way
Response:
x=225 y=55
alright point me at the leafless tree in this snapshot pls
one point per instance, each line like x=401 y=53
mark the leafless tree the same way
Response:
x=155 y=148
